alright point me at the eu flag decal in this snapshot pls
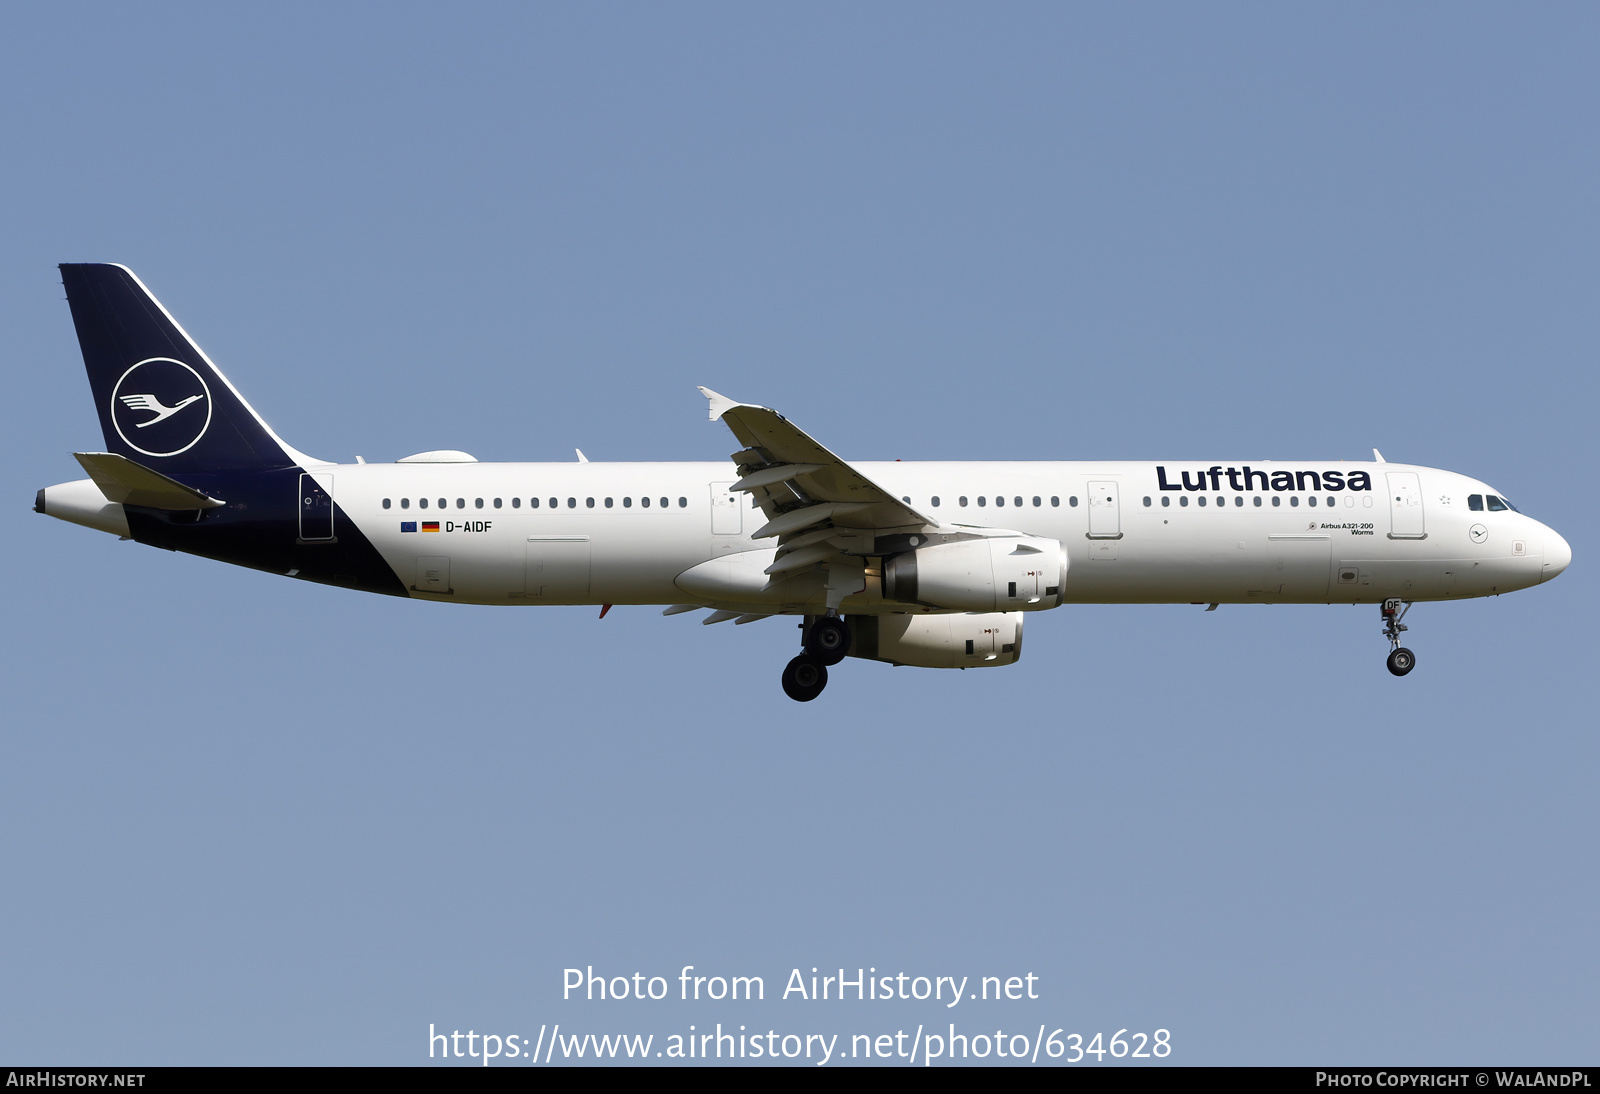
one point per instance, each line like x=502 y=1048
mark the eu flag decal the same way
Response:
x=408 y=526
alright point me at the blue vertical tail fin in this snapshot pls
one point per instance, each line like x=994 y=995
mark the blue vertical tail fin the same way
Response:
x=161 y=401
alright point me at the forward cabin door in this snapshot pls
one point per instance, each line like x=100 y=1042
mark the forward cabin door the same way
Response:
x=1405 y=506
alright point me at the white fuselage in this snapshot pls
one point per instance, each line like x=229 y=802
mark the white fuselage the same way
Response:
x=1126 y=540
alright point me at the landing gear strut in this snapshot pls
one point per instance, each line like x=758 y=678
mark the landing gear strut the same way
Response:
x=827 y=640
x=1401 y=660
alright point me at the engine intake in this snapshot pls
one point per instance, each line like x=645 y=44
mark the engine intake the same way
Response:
x=1014 y=573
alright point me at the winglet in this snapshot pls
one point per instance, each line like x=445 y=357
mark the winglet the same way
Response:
x=720 y=404
x=1376 y=455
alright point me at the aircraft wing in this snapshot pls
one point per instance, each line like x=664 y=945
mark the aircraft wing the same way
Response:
x=817 y=506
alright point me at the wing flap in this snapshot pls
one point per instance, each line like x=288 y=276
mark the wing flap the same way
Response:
x=788 y=471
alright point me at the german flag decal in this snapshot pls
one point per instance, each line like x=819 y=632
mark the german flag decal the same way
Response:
x=430 y=526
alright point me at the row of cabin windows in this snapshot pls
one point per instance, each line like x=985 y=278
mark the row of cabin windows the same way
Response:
x=534 y=503
x=1277 y=499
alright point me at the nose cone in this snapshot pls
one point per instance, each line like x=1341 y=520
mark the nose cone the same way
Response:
x=1557 y=554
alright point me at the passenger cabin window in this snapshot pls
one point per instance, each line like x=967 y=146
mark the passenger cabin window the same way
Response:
x=936 y=501
x=1256 y=501
x=1001 y=502
x=962 y=501
x=683 y=503
x=982 y=501
x=1238 y=501
x=1166 y=501
x=405 y=503
x=1055 y=501
x=572 y=503
x=386 y=503
x=1183 y=501
x=1294 y=500
x=477 y=503
x=516 y=503
x=608 y=503
x=645 y=502
x=422 y=503
x=1276 y=501
x=1037 y=501
x=1073 y=501
x=1147 y=501
x=1018 y=502
x=461 y=503
x=497 y=503
x=627 y=503
x=444 y=504
x=1201 y=501
x=588 y=502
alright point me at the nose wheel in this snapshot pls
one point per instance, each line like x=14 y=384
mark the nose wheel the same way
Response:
x=1401 y=660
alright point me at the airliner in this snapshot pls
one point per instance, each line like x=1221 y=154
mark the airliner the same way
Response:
x=936 y=565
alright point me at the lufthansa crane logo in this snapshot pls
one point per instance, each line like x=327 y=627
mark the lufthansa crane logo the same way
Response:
x=161 y=407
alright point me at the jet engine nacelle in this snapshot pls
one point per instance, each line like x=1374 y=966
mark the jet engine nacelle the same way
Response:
x=1011 y=573
x=938 y=641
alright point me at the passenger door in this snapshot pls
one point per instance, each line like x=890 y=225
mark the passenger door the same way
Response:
x=316 y=508
x=727 y=510
x=1405 y=506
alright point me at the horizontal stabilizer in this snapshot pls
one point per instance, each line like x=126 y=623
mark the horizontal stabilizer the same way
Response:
x=128 y=483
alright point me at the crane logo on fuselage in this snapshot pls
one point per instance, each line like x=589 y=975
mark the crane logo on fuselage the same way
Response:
x=161 y=407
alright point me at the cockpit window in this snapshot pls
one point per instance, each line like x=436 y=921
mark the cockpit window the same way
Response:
x=1497 y=505
x=1475 y=502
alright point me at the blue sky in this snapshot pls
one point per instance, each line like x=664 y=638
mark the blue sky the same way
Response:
x=244 y=820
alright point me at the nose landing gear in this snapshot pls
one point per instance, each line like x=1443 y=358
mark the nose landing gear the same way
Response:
x=1401 y=660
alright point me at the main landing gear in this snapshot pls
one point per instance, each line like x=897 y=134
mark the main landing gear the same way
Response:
x=827 y=643
x=1401 y=660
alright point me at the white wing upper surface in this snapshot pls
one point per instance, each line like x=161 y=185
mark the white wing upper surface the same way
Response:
x=813 y=501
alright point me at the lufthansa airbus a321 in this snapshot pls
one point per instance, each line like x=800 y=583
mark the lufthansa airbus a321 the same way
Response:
x=928 y=564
